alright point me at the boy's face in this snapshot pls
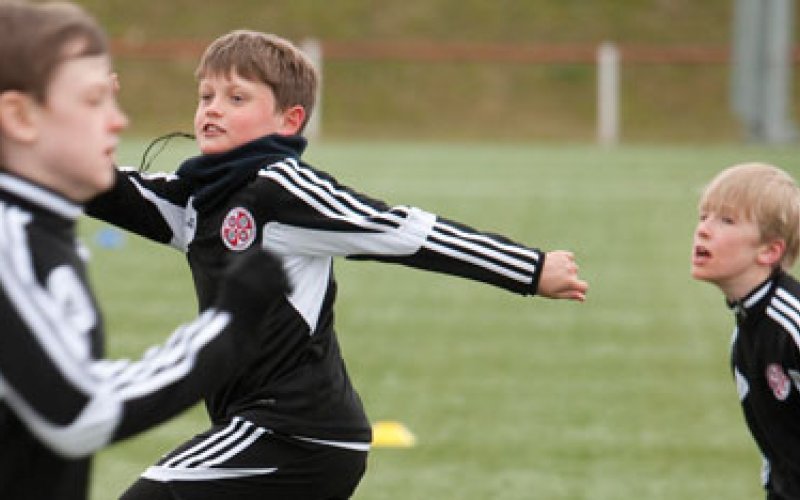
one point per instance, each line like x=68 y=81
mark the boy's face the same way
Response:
x=77 y=129
x=232 y=111
x=729 y=253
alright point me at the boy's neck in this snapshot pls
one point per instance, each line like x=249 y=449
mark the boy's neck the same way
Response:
x=30 y=168
x=737 y=289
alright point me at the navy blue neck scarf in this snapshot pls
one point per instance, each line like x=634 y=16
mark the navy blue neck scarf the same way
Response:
x=215 y=177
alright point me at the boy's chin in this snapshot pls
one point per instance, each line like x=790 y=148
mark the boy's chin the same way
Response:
x=210 y=149
x=699 y=275
x=214 y=145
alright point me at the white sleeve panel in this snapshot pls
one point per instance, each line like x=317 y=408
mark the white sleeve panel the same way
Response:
x=309 y=277
x=405 y=239
x=308 y=253
x=175 y=216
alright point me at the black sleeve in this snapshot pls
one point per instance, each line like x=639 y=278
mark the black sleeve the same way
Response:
x=150 y=205
x=315 y=215
x=75 y=404
x=50 y=377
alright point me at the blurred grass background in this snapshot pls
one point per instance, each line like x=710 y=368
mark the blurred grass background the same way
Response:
x=382 y=100
x=627 y=396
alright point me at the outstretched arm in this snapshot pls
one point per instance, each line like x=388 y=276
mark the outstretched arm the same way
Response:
x=76 y=405
x=560 y=279
x=313 y=215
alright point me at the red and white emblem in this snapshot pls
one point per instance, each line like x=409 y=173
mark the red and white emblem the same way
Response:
x=778 y=381
x=238 y=229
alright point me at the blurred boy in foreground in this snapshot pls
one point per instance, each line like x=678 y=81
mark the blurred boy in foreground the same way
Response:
x=59 y=400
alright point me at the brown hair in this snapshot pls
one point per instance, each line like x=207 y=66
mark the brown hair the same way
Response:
x=35 y=39
x=266 y=58
x=761 y=193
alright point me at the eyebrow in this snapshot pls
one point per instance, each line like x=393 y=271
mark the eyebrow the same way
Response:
x=98 y=86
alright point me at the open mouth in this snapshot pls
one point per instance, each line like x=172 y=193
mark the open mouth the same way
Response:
x=701 y=252
x=210 y=128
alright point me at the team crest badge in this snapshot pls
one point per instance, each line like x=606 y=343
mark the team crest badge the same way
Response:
x=238 y=229
x=778 y=381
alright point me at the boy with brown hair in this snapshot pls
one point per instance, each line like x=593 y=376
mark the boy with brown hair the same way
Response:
x=59 y=400
x=289 y=425
x=746 y=241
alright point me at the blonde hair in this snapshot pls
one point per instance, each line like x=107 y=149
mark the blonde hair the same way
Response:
x=265 y=58
x=763 y=194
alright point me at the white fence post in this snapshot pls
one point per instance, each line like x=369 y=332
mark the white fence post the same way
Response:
x=608 y=94
x=313 y=50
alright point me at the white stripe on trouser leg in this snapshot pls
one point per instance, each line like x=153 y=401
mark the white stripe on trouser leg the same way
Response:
x=207 y=442
x=164 y=474
x=235 y=450
x=182 y=468
x=191 y=461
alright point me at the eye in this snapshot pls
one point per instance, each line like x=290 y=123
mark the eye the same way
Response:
x=237 y=98
x=98 y=97
x=94 y=101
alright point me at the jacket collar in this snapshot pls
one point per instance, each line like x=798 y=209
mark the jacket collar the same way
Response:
x=40 y=196
x=751 y=305
x=215 y=177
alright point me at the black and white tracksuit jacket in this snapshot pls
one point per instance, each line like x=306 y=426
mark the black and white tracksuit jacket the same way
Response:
x=59 y=401
x=766 y=366
x=263 y=194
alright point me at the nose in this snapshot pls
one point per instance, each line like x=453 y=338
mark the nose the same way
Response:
x=118 y=120
x=703 y=228
x=212 y=108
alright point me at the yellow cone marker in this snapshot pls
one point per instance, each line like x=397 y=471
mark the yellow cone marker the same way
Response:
x=391 y=434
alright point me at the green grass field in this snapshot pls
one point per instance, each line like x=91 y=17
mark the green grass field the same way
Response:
x=627 y=396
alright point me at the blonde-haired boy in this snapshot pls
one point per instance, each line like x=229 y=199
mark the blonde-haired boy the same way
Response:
x=746 y=241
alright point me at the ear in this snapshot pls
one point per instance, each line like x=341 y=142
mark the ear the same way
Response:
x=293 y=120
x=771 y=252
x=18 y=116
